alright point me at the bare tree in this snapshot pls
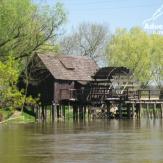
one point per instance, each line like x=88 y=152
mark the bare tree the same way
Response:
x=88 y=40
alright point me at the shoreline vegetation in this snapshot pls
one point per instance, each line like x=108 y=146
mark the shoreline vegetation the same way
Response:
x=9 y=116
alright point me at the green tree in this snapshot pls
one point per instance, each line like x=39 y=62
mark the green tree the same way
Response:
x=10 y=96
x=26 y=27
x=157 y=59
x=137 y=50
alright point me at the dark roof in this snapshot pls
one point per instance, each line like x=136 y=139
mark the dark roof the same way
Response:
x=108 y=72
x=79 y=68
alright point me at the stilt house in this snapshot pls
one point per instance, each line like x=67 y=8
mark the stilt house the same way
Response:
x=57 y=78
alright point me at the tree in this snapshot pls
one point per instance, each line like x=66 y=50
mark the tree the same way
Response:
x=10 y=96
x=26 y=27
x=88 y=40
x=133 y=49
x=157 y=59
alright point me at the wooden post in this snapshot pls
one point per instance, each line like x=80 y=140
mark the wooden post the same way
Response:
x=46 y=108
x=89 y=112
x=58 y=111
x=161 y=110
x=37 y=111
x=43 y=113
x=120 y=110
x=52 y=112
x=128 y=111
x=75 y=112
x=133 y=110
x=148 y=115
x=81 y=112
x=108 y=110
x=154 y=110
x=63 y=111
x=85 y=111
x=137 y=111
x=69 y=110
x=141 y=110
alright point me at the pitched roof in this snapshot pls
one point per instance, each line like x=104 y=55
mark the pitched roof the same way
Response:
x=77 y=68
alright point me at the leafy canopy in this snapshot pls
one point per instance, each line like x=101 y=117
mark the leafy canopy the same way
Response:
x=137 y=50
x=10 y=96
x=27 y=27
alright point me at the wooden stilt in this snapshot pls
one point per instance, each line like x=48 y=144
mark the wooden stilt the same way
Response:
x=85 y=111
x=154 y=111
x=69 y=107
x=108 y=110
x=52 y=112
x=63 y=111
x=81 y=112
x=37 y=112
x=58 y=111
x=128 y=111
x=133 y=110
x=137 y=110
x=162 y=110
x=148 y=114
x=75 y=112
x=43 y=113
x=89 y=112
x=140 y=110
x=120 y=110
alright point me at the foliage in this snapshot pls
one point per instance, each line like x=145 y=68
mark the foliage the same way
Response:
x=137 y=50
x=157 y=59
x=88 y=40
x=27 y=27
x=10 y=96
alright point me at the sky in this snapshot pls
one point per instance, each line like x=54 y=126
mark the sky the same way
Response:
x=113 y=13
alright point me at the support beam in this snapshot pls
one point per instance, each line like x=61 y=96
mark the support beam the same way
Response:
x=120 y=110
x=162 y=110
x=128 y=111
x=133 y=110
x=154 y=111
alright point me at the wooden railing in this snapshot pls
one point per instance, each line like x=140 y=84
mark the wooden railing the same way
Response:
x=149 y=94
x=103 y=94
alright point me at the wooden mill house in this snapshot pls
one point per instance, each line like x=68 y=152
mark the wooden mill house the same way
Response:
x=78 y=82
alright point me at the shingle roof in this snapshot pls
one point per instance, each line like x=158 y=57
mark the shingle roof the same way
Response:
x=77 y=68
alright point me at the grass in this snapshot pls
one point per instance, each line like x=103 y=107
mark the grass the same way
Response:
x=25 y=118
x=6 y=113
x=21 y=118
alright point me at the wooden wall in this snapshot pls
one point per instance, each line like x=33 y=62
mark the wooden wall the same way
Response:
x=62 y=90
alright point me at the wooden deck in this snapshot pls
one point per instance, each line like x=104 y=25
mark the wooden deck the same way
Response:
x=101 y=94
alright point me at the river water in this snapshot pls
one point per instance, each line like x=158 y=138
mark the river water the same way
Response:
x=97 y=141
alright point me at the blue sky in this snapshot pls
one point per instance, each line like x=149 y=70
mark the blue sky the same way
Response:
x=114 y=13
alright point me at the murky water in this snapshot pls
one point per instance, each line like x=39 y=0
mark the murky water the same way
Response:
x=96 y=141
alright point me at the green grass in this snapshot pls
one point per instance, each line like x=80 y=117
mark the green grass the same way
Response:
x=6 y=113
x=23 y=118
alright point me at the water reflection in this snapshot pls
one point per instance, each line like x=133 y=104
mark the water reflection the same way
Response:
x=91 y=141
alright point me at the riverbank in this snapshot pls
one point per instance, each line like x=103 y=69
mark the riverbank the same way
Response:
x=15 y=116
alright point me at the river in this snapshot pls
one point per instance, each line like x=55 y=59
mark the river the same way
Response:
x=96 y=141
